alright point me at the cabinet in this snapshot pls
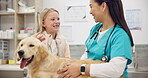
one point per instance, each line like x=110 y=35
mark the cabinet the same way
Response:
x=20 y=15
x=4 y=49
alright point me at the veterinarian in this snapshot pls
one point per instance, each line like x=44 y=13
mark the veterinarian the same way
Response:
x=49 y=33
x=110 y=40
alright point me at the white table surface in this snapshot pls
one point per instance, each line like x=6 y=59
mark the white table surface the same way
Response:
x=11 y=67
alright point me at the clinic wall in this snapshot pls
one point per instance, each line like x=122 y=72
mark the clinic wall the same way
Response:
x=80 y=30
x=140 y=36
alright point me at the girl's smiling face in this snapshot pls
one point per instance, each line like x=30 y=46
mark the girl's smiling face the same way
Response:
x=51 y=22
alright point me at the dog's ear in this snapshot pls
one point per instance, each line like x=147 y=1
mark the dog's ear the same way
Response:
x=42 y=52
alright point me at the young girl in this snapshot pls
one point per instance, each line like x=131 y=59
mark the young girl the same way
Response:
x=49 y=33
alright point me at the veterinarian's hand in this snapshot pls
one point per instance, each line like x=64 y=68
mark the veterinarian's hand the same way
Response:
x=71 y=70
x=39 y=36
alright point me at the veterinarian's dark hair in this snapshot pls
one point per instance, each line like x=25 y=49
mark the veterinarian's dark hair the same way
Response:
x=117 y=14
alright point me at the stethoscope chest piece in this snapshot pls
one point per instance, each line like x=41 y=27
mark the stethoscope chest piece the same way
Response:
x=104 y=58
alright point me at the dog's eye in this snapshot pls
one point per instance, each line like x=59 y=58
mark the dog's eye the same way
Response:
x=21 y=45
x=31 y=45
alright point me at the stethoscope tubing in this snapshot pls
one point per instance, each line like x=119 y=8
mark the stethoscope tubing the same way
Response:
x=95 y=33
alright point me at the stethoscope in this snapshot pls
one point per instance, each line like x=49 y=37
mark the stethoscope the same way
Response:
x=95 y=35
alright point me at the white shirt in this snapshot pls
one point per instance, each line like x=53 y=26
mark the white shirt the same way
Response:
x=54 y=48
x=101 y=34
x=113 y=69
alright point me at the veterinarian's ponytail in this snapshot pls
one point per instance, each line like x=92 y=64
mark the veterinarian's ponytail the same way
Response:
x=117 y=14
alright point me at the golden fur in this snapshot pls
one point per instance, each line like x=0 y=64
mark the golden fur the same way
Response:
x=44 y=64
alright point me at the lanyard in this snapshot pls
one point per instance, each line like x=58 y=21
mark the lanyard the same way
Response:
x=95 y=34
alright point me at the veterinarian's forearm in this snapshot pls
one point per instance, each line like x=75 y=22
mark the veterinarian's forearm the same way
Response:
x=87 y=70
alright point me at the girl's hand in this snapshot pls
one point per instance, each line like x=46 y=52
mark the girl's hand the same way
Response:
x=71 y=70
x=39 y=36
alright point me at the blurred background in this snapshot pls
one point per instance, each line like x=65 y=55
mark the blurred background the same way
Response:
x=18 y=19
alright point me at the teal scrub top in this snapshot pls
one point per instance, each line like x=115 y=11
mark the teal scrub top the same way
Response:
x=119 y=44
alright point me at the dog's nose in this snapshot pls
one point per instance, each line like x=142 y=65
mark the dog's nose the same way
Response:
x=21 y=53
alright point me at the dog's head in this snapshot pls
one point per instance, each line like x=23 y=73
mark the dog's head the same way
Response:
x=30 y=51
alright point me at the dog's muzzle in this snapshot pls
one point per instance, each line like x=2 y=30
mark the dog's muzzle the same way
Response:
x=21 y=53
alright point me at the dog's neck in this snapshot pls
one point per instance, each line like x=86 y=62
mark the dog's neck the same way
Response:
x=44 y=63
x=45 y=60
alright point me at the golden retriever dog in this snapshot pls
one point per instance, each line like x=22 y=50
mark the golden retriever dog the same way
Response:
x=40 y=63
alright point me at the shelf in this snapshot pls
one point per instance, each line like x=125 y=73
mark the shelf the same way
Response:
x=11 y=13
x=19 y=39
x=19 y=20
x=26 y=13
x=6 y=39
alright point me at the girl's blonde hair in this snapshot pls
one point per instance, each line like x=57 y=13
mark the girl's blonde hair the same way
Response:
x=43 y=15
